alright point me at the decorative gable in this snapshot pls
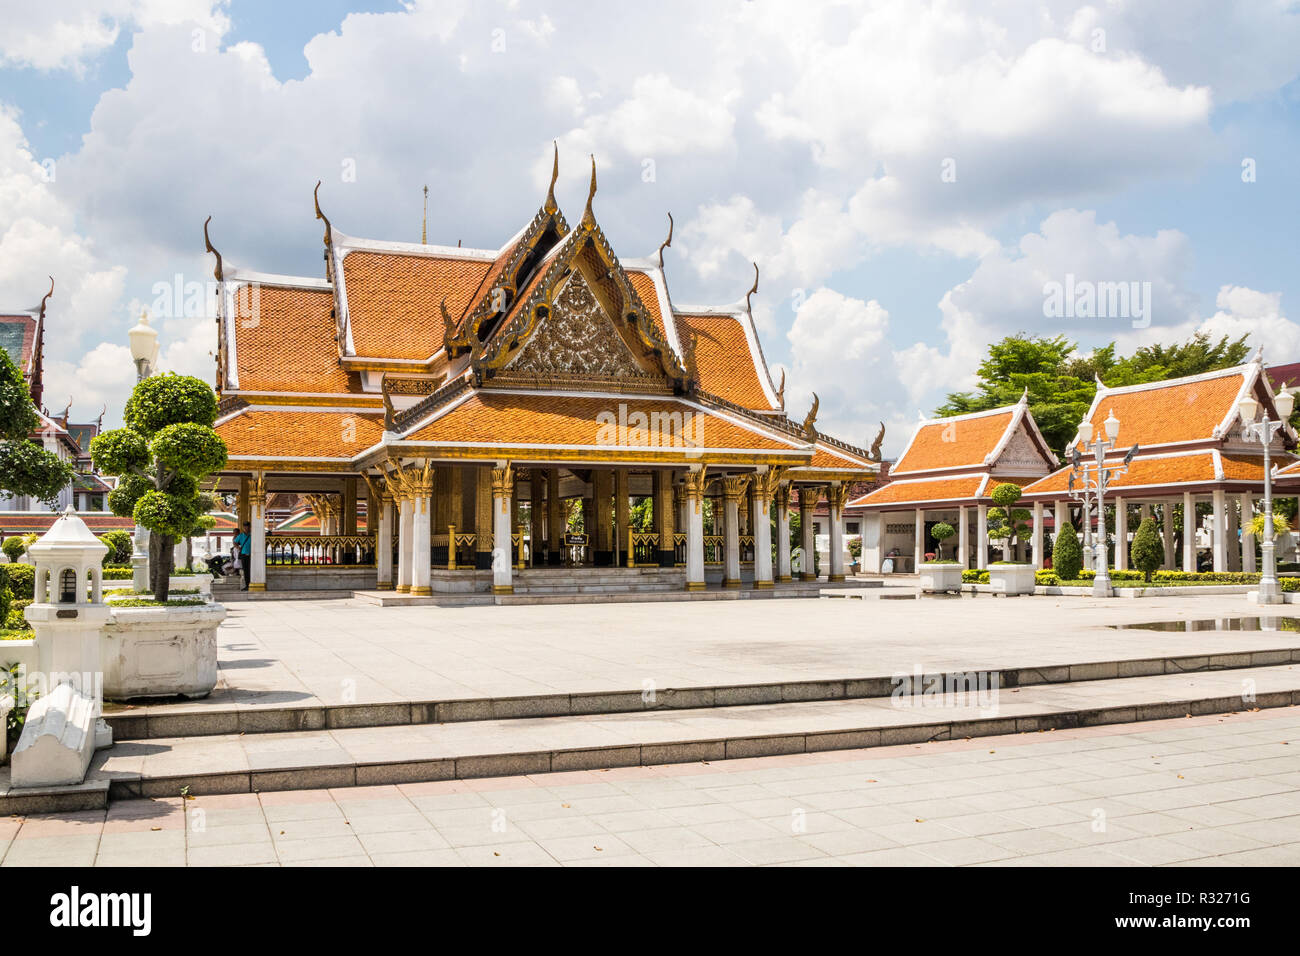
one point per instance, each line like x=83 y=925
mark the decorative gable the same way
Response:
x=1022 y=455
x=576 y=337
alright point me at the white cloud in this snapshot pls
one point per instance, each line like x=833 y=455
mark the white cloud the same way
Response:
x=67 y=34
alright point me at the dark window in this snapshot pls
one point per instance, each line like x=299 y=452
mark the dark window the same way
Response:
x=852 y=527
x=68 y=587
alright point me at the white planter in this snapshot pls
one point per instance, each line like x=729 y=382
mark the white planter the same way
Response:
x=940 y=577
x=161 y=651
x=1012 y=578
x=187 y=582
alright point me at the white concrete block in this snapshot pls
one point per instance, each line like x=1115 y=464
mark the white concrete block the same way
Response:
x=57 y=742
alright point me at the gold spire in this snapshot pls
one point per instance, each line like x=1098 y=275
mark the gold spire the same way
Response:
x=588 y=217
x=551 y=205
x=424 y=226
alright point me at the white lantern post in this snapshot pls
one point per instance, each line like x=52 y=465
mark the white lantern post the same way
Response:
x=144 y=352
x=1263 y=431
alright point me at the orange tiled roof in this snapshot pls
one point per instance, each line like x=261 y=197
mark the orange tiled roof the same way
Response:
x=510 y=418
x=829 y=458
x=960 y=442
x=1192 y=468
x=921 y=491
x=645 y=290
x=271 y=433
x=393 y=300
x=289 y=346
x=1170 y=412
x=723 y=361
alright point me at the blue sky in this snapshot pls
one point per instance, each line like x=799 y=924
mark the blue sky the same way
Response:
x=1101 y=140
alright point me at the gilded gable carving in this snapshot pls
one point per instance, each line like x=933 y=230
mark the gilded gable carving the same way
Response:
x=577 y=338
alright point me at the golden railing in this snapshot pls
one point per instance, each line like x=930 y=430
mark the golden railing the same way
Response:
x=679 y=550
x=458 y=543
x=746 y=549
x=642 y=549
x=715 y=547
x=315 y=550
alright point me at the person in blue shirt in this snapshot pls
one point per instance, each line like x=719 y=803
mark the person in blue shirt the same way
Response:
x=244 y=542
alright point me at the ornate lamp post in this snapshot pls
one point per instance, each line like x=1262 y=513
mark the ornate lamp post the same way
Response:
x=1263 y=432
x=1093 y=478
x=144 y=352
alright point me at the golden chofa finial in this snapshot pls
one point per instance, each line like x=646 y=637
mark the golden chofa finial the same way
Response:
x=424 y=224
x=46 y=298
x=551 y=206
x=667 y=242
x=588 y=217
x=218 y=273
x=753 y=290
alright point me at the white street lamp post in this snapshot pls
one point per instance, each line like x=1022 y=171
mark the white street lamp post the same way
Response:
x=1094 y=479
x=144 y=352
x=1263 y=431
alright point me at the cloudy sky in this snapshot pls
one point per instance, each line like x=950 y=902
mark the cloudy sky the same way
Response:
x=909 y=176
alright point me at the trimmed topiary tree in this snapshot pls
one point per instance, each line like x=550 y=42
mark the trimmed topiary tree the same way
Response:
x=1067 y=554
x=13 y=548
x=1006 y=523
x=119 y=547
x=941 y=532
x=1148 y=551
x=166 y=448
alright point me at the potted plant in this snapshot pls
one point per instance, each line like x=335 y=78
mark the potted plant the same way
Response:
x=941 y=575
x=1008 y=524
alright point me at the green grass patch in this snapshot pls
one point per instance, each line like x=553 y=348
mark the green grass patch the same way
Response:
x=150 y=602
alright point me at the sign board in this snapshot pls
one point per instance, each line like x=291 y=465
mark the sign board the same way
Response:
x=575 y=539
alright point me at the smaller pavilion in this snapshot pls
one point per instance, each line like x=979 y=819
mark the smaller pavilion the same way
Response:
x=1190 y=451
x=946 y=473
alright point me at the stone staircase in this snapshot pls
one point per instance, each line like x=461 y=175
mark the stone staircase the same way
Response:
x=245 y=749
x=532 y=581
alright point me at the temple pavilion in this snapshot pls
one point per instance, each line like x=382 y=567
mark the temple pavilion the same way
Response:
x=1189 y=453
x=500 y=413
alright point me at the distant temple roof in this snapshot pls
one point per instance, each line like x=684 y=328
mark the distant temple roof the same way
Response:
x=510 y=353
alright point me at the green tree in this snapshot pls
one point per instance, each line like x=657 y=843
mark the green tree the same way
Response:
x=14 y=547
x=25 y=467
x=166 y=448
x=1005 y=522
x=1061 y=382
x=1067 y=555
x=1148 y=550
x=119 y=547
x=941 y=532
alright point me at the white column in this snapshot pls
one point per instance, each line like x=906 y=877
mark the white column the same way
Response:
x=1230 y=540
x=382 y=505
x=1189 y=532
x=502 y=543
x=872 y=543
x=731 y=541
x=963 y=537
x=761 y=523
x=1219 y=538
x=918 y=540
x=257 y=555
x=1121 y=534
x=1247 y=539
x=421 y=531
x=782 y=533
x=807 y=505
x=1167 y=519
x=981 y=537
x=404 y=529
x=1037 y=540
x=695 y=531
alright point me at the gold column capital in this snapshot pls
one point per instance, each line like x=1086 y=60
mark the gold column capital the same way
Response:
x=734 y=487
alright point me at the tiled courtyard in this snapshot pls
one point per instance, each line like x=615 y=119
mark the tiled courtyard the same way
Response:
x=1220 y=790
x=298 y=653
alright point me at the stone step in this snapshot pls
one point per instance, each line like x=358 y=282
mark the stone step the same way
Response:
x=648 y=596
x=239 y=763
x=202 y=718
x=598 y=588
